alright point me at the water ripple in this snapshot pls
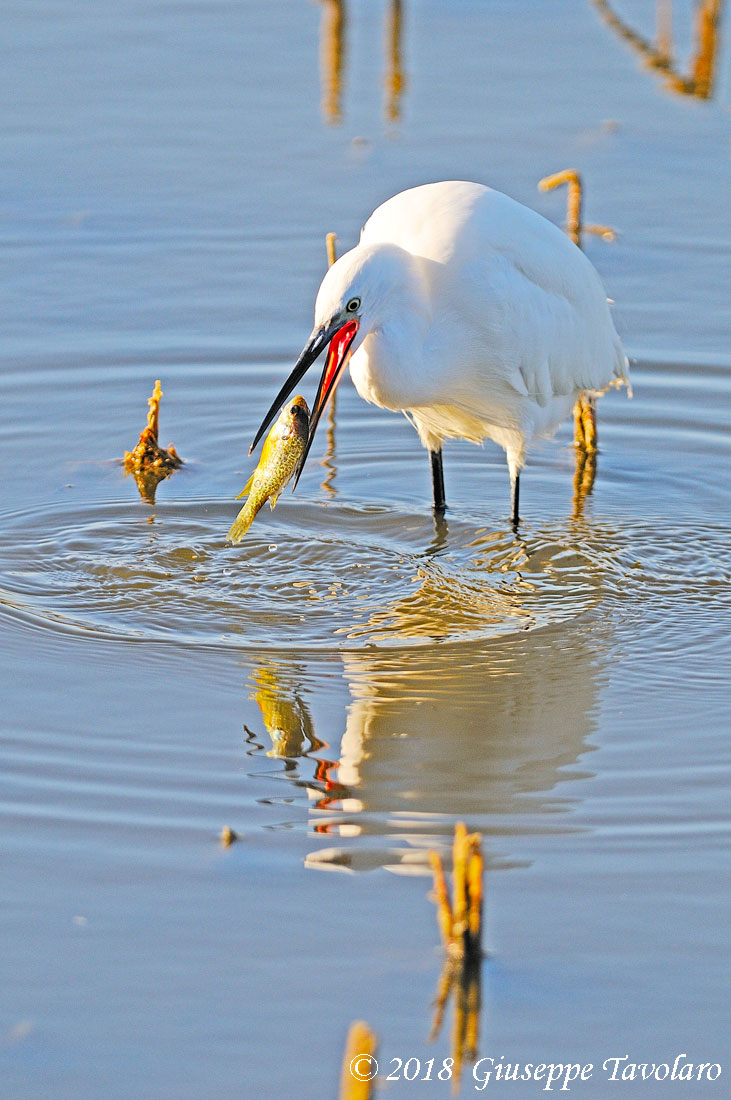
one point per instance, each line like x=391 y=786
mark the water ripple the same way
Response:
x=324 y=578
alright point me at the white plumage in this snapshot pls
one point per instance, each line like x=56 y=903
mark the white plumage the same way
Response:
x=476 y=317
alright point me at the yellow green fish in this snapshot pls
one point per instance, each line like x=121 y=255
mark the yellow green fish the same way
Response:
x=280 y=454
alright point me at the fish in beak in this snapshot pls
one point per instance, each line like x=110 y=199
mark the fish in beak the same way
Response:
x=339 y=336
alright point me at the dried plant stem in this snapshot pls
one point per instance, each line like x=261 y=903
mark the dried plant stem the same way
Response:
x=330 y=240
x=573 y=208
x=460 y=919
x=149 y=462
x=228 y=836
x=360 y=1047
x=441 y=899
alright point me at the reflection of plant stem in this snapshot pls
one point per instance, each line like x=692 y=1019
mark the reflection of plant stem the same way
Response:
x=463 y=981
x=394 y=73
x=699 y=82
x=708 y=17
x=460 y=926
x=332 y=57
x=664 y=28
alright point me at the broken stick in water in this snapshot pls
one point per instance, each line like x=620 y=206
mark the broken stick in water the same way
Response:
x=149 y=462
x=574 y=223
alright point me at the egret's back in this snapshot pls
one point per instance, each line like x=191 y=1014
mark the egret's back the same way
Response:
x=508 y=288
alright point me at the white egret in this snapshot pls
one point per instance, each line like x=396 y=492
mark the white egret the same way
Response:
x=471 y=314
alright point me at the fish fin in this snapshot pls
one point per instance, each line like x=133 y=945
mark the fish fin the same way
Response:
x=270 y=444
x=273 y=500
x=247 y=488
x=245 y=518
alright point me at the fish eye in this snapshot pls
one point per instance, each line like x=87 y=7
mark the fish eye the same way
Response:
x=353 y=305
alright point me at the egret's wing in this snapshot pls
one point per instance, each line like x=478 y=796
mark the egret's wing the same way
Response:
x=516 y=303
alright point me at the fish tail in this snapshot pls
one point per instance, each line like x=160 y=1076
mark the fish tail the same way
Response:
x=245 y=518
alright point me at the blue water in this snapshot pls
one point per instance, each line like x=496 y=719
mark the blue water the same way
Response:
x=349 y=683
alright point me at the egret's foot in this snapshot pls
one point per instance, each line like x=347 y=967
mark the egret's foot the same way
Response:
x=515 y=501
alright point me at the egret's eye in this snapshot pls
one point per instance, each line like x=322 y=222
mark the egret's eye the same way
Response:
x=353 y=305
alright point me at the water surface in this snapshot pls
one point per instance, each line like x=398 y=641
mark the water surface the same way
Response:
x=352 y=680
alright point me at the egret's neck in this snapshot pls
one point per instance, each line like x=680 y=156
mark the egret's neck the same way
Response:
x=387 y=369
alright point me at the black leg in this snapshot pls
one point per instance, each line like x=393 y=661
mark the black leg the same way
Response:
x=514 y=500
x=437 y=480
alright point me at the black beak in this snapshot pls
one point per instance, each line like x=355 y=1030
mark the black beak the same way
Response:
x=319 y=340
x=336 y=361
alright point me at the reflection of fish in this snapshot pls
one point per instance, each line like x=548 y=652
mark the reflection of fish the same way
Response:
x=281 y=453
x=286 y=717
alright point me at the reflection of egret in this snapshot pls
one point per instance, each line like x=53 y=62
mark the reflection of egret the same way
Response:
x=472 y=315
x=460 y=733
x=481 y=731
x=699 y=80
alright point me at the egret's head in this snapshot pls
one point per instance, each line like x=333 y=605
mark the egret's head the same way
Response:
x=354 y=297
x=360 y=286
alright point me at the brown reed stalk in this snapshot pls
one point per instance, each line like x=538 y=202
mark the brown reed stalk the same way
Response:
x=330 y=240
x=360 y=1049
